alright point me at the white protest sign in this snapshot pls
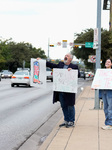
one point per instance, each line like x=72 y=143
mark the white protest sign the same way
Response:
x=38 y=73
x=102 y=79
x=64 y=80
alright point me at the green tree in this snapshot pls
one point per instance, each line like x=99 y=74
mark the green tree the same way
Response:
x=13 y=54
x=83 y=53
x=4 y=53
x=106 y=46
x=87 y=36
x=24 y=52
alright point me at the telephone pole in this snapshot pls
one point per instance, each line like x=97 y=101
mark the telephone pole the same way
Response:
x=98 y=51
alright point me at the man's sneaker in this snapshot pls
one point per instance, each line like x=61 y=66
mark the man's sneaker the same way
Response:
x=70 y=124
x=63 y=124
x=107 y=127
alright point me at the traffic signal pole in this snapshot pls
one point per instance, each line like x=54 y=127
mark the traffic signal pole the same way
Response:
x=98 y=51
x=48 y=47
x=110 y=27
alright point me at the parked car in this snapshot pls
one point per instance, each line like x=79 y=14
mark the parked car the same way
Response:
x=92 y=74
x=21 y=77
x=82 y=74
x=49 y=74
x=89 y=74
x=6 y=74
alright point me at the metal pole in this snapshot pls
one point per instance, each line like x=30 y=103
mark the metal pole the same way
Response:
x=23 y=64
x=98 y=50
x=48 y=47
x=110 y=27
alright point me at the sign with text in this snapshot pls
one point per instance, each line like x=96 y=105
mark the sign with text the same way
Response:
x=95 y=45
x=64 y=80
x=92 y=58
x=64 y=44
x=102 y=79
x=96 y=35
x=89 y=44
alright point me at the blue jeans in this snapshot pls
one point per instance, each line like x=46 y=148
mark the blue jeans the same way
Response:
x=68 y=111
x=107 y=107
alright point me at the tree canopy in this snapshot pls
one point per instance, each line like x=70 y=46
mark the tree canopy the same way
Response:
x=83 y=52
x=13 y=54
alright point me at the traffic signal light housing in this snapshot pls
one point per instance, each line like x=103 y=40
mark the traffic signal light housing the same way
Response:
x=77 y=46
x=51 y=45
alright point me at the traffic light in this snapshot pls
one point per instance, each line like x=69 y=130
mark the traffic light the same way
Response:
x=80 y=46
x=51 y=45
x=77 y=46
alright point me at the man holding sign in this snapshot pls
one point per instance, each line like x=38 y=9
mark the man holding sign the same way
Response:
x=67 y=99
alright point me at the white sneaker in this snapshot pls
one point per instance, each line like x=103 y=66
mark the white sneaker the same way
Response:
x=107 y=127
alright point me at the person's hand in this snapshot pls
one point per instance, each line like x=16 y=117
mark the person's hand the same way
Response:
x=69 y=69
x=38 y=58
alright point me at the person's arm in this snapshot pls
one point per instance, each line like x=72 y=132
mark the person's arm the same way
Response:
x=51 y=65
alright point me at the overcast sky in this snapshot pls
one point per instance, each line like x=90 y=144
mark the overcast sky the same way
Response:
x=35 y=21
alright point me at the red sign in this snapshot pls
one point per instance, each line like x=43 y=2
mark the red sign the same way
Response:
x=93 y=59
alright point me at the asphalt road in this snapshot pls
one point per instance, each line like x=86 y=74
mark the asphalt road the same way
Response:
x=23 y=111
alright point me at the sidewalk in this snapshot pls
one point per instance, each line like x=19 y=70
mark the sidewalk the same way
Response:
x=87 y=133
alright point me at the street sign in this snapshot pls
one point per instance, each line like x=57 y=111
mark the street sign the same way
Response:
x=59 y=43
x=64 y=44
x=71 y=44
x=95 y=45
x=89 y=44
x=96 y=35
x=92 y=58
